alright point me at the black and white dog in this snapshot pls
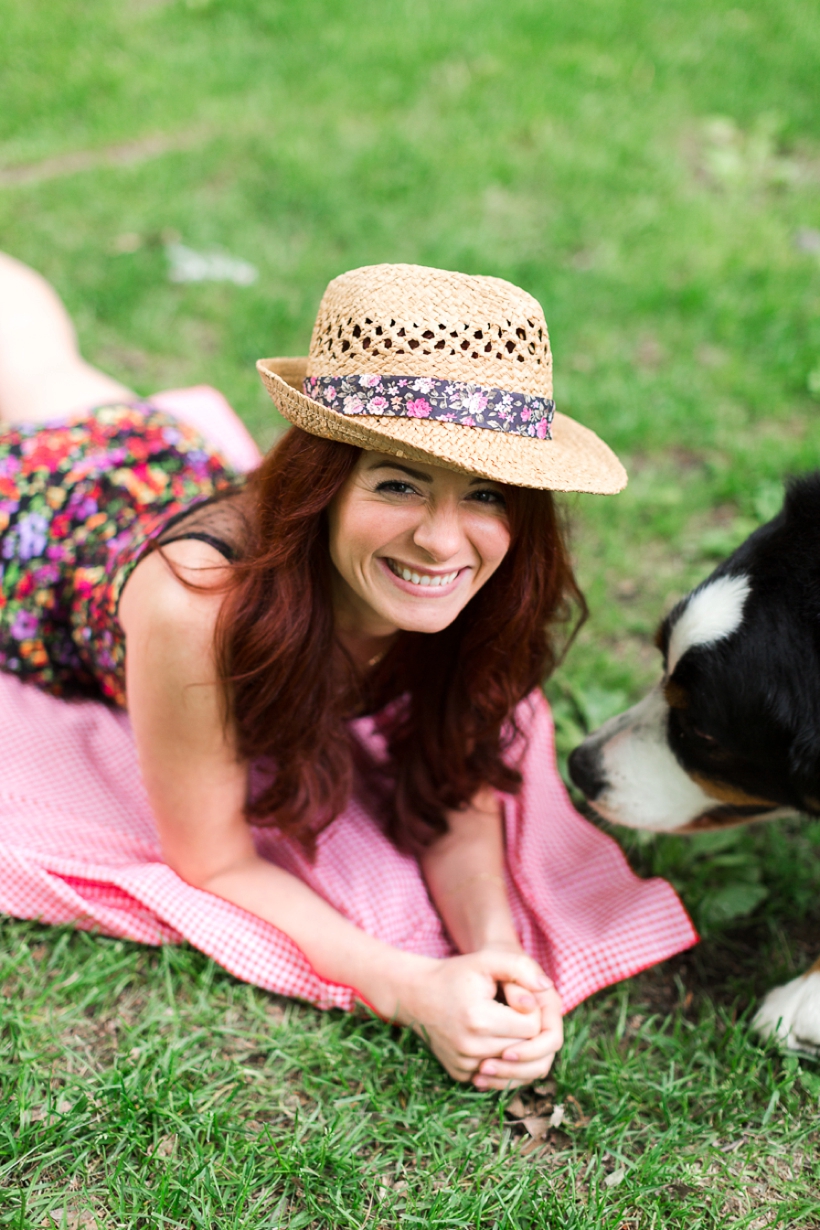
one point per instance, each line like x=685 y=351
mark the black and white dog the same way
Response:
x=732 y=731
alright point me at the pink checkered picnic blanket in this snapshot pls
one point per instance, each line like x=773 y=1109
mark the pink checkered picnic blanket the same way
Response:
x=78 y=844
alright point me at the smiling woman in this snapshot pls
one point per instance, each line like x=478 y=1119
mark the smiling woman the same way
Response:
x=396 y=558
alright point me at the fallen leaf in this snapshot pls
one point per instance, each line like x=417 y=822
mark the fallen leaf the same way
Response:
x=63 y=1106
x=517 y=1109
x=557 y=1116
x=733 y=1145
x=39 y=952
x=73 y=1219
x=545 y=1090
x=537 y=1126
x=530 y=1147
x=617 y=1176
x=186 y=265
x=681 y=1190
x=164 y=1147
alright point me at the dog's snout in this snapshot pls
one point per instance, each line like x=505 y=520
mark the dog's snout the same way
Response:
x=586 y=770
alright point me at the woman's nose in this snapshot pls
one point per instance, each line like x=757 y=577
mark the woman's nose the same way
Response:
x=439 y=534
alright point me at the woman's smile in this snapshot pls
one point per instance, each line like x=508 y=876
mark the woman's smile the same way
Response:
x=421 y=582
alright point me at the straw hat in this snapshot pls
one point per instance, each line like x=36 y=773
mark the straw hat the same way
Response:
x=440 y=367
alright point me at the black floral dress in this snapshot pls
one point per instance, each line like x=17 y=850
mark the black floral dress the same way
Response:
x=80 y=500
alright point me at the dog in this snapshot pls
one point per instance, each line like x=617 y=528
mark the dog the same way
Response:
x=731 y=733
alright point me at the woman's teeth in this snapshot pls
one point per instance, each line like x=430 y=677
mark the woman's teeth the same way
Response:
x=422 y=578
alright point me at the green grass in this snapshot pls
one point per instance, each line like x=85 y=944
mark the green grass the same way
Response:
x=150 y=1089
x=645 y=170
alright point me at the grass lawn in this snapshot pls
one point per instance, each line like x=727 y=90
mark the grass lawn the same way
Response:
x=650 y=172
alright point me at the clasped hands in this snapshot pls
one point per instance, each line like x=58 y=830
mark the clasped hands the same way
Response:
x=453 y=1005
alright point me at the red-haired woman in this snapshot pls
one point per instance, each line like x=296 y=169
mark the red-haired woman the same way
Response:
x=396 y=554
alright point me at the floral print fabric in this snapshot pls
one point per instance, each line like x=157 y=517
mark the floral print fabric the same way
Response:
x=79 y=502
x=448 y=401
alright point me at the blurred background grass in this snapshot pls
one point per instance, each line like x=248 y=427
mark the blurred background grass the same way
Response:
x=648 y=170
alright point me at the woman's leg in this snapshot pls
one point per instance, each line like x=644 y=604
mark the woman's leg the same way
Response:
x=42 y=373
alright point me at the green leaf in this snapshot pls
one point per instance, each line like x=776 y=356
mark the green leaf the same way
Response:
x=810 y=1082
x=731 y=901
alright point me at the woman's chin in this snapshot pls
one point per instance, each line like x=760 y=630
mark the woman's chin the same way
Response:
x=409 y=618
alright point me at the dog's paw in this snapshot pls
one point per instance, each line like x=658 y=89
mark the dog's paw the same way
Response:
x=792 y=1012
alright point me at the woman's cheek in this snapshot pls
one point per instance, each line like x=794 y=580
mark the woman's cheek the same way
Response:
x=492 y=541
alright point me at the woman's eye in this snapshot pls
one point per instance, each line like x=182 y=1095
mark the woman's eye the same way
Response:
x=487 y=496
x=394 y=486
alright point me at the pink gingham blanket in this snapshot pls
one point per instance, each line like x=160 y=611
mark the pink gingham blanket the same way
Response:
x=78 y=844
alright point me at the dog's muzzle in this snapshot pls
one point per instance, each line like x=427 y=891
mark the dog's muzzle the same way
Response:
x=586 y=769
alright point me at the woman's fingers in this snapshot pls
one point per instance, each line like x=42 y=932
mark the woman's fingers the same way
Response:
x=518 y=997
x=524 y=1074
x=550 y=1036
x=497 y=1074
x=502 y=1021
x=514 y=967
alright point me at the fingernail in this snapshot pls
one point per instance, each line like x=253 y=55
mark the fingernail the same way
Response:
x=545 y=984
x=479 y=1082
x=511 y=1056
x=489 y=1069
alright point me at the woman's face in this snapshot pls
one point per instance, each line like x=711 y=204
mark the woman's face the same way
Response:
x=411 y=544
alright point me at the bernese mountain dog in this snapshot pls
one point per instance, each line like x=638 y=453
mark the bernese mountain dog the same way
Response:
x=731 y=733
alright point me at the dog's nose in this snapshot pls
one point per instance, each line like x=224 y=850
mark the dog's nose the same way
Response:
x=586 y=770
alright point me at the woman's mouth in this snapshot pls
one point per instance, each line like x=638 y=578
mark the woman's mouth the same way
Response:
x=418 y=580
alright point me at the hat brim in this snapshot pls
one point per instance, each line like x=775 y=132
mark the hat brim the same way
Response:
x=575 y=459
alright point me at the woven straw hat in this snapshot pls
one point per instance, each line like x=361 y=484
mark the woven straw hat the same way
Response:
x=440 y=367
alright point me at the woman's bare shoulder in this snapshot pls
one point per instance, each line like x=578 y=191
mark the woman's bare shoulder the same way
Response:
x=180 y=587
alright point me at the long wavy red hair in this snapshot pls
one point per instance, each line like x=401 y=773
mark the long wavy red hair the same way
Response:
x=291 y=689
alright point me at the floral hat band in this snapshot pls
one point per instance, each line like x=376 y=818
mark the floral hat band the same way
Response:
x=447 y=401
x=452 y=369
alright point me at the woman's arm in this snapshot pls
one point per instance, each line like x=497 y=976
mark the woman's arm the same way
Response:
x=197 y=783
x=464 y=871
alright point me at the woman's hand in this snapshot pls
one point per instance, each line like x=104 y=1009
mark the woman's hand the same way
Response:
x=452 y=1004
x=525 y=1062
x=522 y=1063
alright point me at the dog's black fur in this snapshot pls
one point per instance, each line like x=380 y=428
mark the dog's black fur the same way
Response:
x=746 y=710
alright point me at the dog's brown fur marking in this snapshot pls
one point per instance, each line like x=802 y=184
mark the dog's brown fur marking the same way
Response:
x=729 y=794
x=676 y=696
x=708 y=822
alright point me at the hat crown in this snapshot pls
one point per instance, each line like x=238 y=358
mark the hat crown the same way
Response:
x=409 y=320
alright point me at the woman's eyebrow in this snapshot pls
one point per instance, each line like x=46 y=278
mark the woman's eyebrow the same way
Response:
x=395 y=465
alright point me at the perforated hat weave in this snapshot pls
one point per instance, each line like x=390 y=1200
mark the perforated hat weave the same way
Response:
x=441 y=367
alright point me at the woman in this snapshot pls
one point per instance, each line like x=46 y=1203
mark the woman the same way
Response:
x=396 y=554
